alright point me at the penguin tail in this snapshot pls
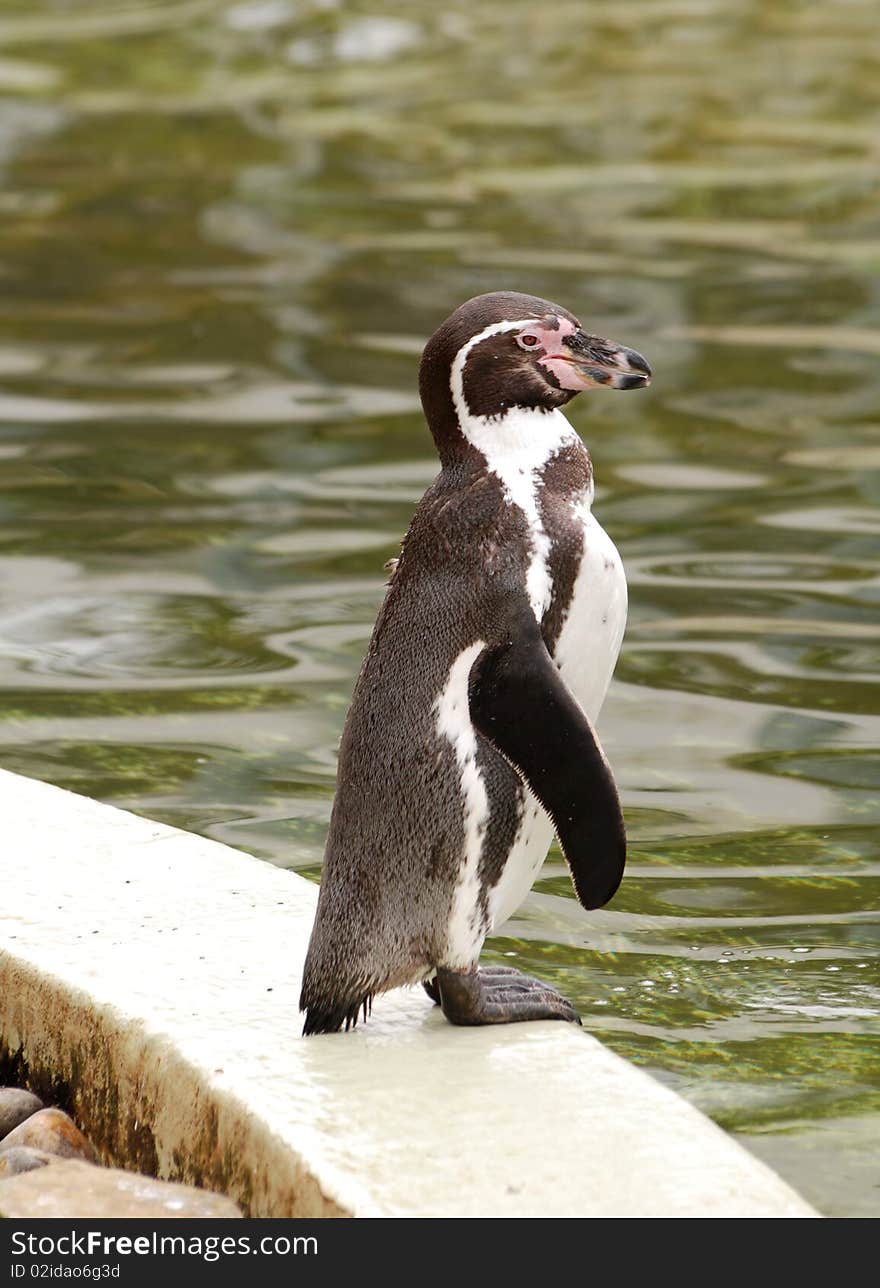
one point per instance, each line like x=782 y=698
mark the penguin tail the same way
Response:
x=329 y=1016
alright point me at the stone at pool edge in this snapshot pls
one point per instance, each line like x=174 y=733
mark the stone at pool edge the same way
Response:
x=15 y=1106
x=20 y=1159
x=70 y=1189
x=51 y=1130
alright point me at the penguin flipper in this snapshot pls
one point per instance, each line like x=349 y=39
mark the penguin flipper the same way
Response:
x=521 y=705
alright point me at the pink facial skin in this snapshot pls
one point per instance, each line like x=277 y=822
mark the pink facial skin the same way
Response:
x=556 y=358
x=568 y=376
x=590 y=363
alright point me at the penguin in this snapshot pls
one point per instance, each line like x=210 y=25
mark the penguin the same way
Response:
x=470 y=738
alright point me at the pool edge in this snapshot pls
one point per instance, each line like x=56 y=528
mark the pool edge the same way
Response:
x=148 y=979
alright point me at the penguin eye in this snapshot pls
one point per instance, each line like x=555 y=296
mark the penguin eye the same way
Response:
x=528 y=340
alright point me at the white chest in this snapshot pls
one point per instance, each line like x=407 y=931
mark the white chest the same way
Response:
x=586 y=653
x=589 y=642
x=517 y=449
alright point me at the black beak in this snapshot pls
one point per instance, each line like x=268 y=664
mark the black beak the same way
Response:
x=602 y=362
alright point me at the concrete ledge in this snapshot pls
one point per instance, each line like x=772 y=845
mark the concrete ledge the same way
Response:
x=152 y=977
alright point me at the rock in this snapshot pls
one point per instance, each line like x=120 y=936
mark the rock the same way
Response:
x=70 y=1189
x=53 y=1131
x=21 y=1159
x=15 y=1106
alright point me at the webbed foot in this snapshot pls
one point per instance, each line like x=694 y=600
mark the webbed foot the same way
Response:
x=500 y=995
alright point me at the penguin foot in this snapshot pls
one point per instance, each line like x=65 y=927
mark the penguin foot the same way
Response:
x=432 y=989
x=500 y=995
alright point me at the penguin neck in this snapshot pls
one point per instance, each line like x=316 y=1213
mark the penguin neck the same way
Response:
x=515 y=438
x=518 y=443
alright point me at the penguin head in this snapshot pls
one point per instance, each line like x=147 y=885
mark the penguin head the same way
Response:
x=505 y=352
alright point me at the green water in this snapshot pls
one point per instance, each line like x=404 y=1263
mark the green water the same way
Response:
x=226 y=229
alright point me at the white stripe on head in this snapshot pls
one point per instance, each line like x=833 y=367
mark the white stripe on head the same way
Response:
x=516 y=447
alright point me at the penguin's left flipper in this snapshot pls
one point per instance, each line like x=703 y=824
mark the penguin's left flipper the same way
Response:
x=521 y=705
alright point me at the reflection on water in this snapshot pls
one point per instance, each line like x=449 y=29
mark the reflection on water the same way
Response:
x=227 y=228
